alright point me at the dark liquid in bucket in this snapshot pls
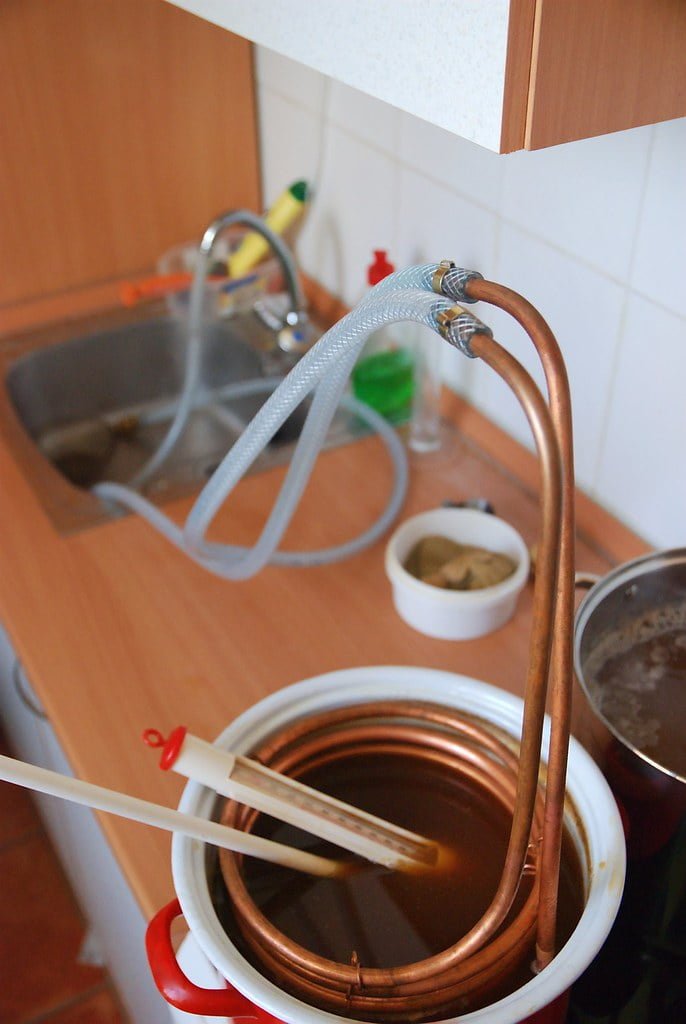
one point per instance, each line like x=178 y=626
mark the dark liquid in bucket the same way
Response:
x=385 y=918
x=636 y=679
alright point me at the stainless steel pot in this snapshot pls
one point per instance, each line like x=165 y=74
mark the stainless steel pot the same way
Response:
x=622 y=610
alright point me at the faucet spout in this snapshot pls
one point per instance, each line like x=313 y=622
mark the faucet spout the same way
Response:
x=296 y=313
x=290 y=333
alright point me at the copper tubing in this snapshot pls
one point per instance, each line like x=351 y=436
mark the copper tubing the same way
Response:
x=476 y=960
x=469 y=749
x=530 y=748
x=544 y=608
x=561 y=655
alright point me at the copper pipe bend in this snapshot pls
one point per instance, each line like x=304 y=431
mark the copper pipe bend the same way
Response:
x=561 y=671
x=464 y=744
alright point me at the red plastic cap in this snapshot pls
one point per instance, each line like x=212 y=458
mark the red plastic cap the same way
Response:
x=380 y=268
x=171 y=746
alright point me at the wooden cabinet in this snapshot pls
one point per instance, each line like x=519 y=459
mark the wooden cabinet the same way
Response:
x=127 y=126
x=115 y=919
x=600 y=66
x=507 y=74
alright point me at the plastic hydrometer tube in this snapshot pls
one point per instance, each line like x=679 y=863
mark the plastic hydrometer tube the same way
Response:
x=250 y=783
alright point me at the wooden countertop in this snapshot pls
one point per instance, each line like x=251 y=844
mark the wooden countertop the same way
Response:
x=118 y=632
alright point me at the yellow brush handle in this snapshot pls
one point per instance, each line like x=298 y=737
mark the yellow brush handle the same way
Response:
x=285 y=211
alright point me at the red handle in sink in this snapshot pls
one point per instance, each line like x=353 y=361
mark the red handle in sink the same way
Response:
x=178 y=990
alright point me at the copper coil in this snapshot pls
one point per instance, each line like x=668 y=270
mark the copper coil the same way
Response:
x=478 y=959
x=463 y=746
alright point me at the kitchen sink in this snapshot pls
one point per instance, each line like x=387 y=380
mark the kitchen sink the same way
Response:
x=96 y=406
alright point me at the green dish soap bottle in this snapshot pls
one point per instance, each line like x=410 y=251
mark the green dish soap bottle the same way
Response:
x=384 y=375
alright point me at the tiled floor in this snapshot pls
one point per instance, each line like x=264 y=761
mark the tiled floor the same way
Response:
x=41 y=929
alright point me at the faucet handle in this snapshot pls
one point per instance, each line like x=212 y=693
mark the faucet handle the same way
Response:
x=294 y=332
x=297 y=337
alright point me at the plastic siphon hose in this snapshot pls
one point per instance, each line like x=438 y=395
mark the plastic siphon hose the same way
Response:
x=323 y=370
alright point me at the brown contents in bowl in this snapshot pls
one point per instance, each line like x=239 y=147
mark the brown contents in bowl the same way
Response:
x=445 y=563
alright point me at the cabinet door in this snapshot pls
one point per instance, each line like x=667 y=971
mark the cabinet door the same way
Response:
x=19 y=721
x=108 y=903
x=93 y=872
x=26 y=728
x=604 y=67
x=127 y=126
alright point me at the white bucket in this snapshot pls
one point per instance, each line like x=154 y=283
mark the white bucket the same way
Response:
x=599 y=841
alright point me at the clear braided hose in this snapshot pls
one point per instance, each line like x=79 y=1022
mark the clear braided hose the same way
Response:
x=343 y=341
x=419 y=276
x=323 y=370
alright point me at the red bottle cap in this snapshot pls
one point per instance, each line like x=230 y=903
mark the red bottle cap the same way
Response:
x=171 y=746
x=380 y=268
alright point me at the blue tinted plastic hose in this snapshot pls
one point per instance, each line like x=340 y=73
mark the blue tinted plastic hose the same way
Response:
x=323 y=370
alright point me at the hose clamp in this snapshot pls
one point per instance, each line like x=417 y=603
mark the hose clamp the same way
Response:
x=450 y=280
x=458 y=327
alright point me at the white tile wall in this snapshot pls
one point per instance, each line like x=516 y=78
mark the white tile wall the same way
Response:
x=362 y=180
x=289 y=147
x=431 y=220
x=661 y=248
x=291 y=80
x=464 y=167
x=593 y=233
x=641 y=471
x=585 y=313
x=582 y=198
x=364 y=117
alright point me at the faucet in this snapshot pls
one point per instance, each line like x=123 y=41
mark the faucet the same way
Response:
x=293 y=333
x=292 y=330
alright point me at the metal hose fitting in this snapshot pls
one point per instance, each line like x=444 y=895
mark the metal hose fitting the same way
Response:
x=458 y=327
x=450 y=280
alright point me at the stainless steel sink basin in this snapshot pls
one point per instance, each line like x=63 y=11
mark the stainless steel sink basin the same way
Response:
x=96 y=406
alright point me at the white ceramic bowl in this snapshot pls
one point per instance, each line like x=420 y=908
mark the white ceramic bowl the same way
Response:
x=456 y=614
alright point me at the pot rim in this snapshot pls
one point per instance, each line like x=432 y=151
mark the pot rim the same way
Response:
x=621 y=576
x=629 y=570
x=593 y=804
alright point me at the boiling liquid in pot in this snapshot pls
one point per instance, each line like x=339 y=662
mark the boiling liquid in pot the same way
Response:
x=636 y=678
x=385 y=918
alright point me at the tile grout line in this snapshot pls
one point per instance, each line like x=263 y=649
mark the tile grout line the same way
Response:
x=627 y=293
x=485 y=207
x=29 y=836
x=67 y=1004
x=35 y=832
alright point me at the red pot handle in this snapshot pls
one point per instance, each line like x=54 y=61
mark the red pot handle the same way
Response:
x=178 y=990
